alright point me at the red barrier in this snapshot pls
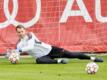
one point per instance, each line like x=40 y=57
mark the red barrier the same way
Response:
x=77 y=25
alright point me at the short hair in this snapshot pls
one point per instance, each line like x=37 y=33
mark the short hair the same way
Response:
x=19 y=26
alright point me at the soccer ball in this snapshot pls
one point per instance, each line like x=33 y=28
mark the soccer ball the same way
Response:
x=14 y=57
x=91 y=68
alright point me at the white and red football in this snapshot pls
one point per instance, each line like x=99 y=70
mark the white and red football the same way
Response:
x=14 y=57
x=91 y=68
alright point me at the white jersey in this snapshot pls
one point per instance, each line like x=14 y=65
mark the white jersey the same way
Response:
x=33 y=46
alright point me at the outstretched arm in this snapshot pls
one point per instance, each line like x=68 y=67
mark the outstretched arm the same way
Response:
x=32 y=39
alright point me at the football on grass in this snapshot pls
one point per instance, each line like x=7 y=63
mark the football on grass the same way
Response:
x=92 y=68
x=14 y=57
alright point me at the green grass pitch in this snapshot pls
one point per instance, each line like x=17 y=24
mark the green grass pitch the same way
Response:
x=28 y=70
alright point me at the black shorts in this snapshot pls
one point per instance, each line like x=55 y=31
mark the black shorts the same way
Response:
x=56 y=52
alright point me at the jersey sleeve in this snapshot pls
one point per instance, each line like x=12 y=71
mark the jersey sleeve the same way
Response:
x=30 y=43
x=29 y=46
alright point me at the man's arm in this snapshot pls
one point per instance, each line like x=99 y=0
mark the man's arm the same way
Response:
x=30 y=43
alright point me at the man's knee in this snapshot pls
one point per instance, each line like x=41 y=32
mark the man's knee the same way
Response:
x=45 y=60
x=40 y=61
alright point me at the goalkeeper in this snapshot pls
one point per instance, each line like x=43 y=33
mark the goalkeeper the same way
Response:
x=45 y=53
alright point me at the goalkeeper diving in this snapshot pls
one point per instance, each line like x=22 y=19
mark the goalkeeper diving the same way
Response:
x=44 y=53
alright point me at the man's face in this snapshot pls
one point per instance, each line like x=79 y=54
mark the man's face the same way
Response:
x=21 y=32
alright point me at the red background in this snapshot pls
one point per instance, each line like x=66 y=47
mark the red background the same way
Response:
x=74 y=35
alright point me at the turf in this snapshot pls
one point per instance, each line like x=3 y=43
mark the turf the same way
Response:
x=28 y=70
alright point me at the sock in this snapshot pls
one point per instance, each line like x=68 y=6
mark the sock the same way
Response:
x=92 y=58
x=59 y=60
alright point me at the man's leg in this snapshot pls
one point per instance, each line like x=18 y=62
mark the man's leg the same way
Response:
x=48 y=60
x=80 y=55
x=61 y=53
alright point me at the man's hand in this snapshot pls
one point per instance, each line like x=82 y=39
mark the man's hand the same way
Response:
x=9 y=52
x=18 y=50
